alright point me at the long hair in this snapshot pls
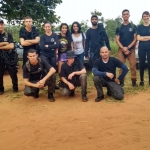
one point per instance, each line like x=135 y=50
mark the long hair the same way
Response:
x=78 y=25
x=65 y=24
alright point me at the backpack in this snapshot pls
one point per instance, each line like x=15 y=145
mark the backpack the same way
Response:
x=29 y=67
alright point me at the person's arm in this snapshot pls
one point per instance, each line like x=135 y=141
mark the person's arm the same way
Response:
x=98 y=73
x=10 y=46
x=87 y=44
x=34 y=41
x=49 y=74
x=42 y=44
x=107 y=41
x=143 y=38
x=56 y=44
x=3 y=43
x=83 y=71
x=24 y=42
x=124 y=72
x=133 y=42
x=27 y=83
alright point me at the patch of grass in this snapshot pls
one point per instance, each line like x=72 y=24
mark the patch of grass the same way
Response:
x=13 y=96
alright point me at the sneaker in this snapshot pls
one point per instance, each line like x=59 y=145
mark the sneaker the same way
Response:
x=51 y=97
x=99 y=98
x=142 y=83
x=36 y=95
x=134 y=84
x=1 y=92
x=121 y=83
x=84 y=98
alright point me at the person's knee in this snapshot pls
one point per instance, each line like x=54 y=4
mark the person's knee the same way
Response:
x=118 y=96
x=27 y=91
x=65 y=92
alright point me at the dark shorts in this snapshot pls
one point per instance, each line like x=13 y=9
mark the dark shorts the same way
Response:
x=62 y=57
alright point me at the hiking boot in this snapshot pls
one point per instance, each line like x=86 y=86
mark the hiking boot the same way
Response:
x=36 y=95
x=56 y=87
x=15 y=90
x=134 y=84
x=99 y=98
x=1 y=92
x=121 y=83
x=72 y=93
x=51 y=97
x=84 y=98
x=141 y=83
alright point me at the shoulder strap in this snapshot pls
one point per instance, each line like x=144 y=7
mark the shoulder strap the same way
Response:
x=28 y=66
x=6 y=34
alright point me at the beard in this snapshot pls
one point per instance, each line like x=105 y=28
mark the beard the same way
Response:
x=94 y=23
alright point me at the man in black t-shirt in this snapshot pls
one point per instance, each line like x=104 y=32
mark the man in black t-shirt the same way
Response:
x=7 y=61
x=37 y=73
x=104 y=71
x=29 y=38
x=126 y=40
x=73 y=74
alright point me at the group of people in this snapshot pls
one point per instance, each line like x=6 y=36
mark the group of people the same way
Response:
x=39 y=57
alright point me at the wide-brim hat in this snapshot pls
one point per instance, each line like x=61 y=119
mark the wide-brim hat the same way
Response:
x=70 y=54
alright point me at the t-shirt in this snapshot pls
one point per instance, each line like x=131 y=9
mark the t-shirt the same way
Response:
x=33 y=68
x=23 y=33
x=49 y=51
x=144 y=31
x=66 y=69
x=78 y=43
x=109 y=66
x=64 y=43
x=126 y=33
x=4 y=38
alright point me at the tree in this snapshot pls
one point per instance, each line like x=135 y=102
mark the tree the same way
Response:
x=111 y=25
x=39 y=10
x=84 y=25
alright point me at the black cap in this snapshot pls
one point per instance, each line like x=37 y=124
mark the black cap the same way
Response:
x=70 y=54
x=94 y=16
x=1 y=21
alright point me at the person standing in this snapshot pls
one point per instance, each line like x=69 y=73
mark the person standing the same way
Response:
x=78 y=41
x=104 y=71
x=49 y=43
x=126 y=40
x=143 y=36
x=65 y=44
x=6 y=49
x=29 y=37
x=96 y=37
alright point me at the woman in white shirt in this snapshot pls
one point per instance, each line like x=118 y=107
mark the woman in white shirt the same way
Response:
x=78 y=41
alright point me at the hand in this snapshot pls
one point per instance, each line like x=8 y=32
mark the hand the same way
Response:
x=36 y=85
x=125 y=49
x=110 y=75
x=117 y=80
x=127 y=52
x=54 y=43
x=71 y=86
x=41 y=83
x=71 y=75
x=46 y=45
x=87 y=57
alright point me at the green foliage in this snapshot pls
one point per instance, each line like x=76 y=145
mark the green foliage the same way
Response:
x=84 y=25
x=111 y=25
x=114 y=48
x=99 y=15
x=40 y=10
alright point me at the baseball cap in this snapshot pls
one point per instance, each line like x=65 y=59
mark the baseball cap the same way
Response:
x=1 y=21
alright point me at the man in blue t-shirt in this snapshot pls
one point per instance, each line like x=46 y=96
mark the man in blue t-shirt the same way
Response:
x=104 y=71
x=126 y=40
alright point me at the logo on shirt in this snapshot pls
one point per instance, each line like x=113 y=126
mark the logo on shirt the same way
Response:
x=130 y=29
x=52 y=39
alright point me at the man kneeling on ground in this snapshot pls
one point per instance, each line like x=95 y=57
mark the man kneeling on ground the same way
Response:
x=104 y=71
x=38 y=73
x=73 y=74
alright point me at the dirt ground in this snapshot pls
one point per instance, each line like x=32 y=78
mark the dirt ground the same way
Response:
x=70 y=124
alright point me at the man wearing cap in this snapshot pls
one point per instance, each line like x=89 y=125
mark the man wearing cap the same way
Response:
x=93 y=37
x=29 y=37
x=73 y=74
x=6 y=48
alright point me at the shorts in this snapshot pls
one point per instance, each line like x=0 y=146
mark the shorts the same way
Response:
x=62 y=57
